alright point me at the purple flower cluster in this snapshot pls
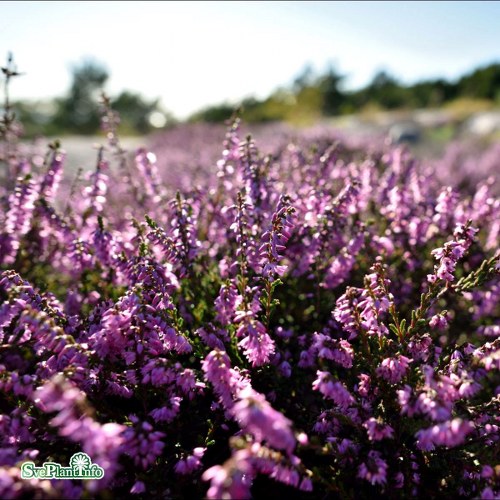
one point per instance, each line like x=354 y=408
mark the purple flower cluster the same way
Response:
x=393 y=369
x=323 y=318
x=452 y=252
x=103 y=442
x=450 y=433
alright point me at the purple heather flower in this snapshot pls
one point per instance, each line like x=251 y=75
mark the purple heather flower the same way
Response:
x=144 y=300
x=142 y=443
x=227 y=303
x=377 y=430
x=17 y=221
x=146 y=165
x=226 y=381
x=257 y=345
x=399 y=480
x=419 y=345
x=333 y=389
x=306 y=484
x=374 y=469
x=231 y=480
x=168 y=412
x=492 y=361
x=212 y=336
x=394 y=369
x=439 y=322
x=452 y=252
x=346 y=309
x=365 y=306
x=339 y=351
x=306 y=359
x=256 y=416
x=445 y=207
x=286 y=475
x=190 y=463
x=98 y=188
x=451 y=433
x=51 y=179
x=489 y=494
x=364 y=385
x=285 y=369
x=487 y=471
x=138 y=488
x=275 y=239
x=341 y=266
x=103 y=442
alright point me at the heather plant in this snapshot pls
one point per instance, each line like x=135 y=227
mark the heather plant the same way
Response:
x=320 y=321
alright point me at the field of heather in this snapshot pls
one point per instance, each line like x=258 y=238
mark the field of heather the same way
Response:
x=223 y=315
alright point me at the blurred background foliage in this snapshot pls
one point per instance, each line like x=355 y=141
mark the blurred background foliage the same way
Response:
x=313 y=96
x=79 y=112
x=308 y=98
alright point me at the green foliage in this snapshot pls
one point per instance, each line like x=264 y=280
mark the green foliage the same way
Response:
x=311 y=96
x=134 y=112
x=214 y=114
x=483 y=83
x=331 y=95
x=79 y=112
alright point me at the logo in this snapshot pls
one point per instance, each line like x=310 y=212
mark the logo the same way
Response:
x=80 y=467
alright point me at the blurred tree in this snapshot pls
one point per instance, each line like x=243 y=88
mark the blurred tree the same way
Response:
x=483 y=83
x=213 y=114
x=431 y=93
x=37 y=118
x=254 y=110
x=135 y=112
x=304 y=79
x=79 y=112
x=332 y=97
x=386 y=91
x=309 y=97
x=308 y=105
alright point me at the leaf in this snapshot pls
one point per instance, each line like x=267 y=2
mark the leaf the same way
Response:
x=393 y=329
x=402 y=326
x=413 y=316
x=276 y=283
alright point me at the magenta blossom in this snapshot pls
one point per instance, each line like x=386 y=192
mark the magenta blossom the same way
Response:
x=374 y=469
x=394 y=369
x=256 y=416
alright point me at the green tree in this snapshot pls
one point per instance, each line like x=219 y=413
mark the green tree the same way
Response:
x=213 y=114
x=483 y=83
x=303 y=79
x=332 y=96
x=79 y=111
x=135 y=112
x=431 y=93
x=386 y=91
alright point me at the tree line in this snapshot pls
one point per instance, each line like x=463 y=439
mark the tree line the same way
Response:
x=313 y=96
x=307 y=98
x=79 y=111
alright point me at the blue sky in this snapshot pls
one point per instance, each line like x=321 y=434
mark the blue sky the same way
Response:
x=191 y=54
